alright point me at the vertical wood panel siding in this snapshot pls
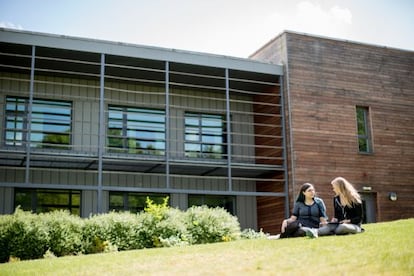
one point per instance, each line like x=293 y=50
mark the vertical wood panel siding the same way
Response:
x=268 y=141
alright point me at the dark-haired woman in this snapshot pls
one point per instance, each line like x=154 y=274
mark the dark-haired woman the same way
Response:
x=309 y=212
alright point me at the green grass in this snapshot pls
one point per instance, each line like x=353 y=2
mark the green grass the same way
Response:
x=384 y=249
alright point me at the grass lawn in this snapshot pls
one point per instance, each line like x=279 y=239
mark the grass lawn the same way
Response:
x=384 y=249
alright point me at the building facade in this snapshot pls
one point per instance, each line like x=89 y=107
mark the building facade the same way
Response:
x=350 y=112
x=94 y=126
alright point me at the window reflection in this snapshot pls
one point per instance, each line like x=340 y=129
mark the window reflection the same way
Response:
x=41 y=201
x=136 y=130
x=226 y=202
x=50 y=125
x=204 y=136
x=133 y=202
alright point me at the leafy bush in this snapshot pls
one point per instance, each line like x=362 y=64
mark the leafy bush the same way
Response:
x=162 y=226
x=96 y=233
x=207 y=225
x=23 y=236
x=171 y=230
x=6 y=222
x=65 y=232
x=251 y=234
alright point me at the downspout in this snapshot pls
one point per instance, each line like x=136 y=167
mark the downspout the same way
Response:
x=285 y=169
x=29 y=116
x=167 y=125
x=289 y=121
x=101 y=137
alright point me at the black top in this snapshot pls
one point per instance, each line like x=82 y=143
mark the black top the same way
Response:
x=353 y=213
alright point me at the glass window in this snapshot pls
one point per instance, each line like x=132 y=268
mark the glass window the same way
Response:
x=204 y=136
x=50 y=124
x=226 y=202
x=136 y=130
x=363 y=128
x=133 y=202
x=40 y=201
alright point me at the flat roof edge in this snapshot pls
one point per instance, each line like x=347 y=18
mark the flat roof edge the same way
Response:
x=138 y=51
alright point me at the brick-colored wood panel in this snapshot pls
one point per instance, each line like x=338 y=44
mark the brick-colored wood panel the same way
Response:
x=327 y=79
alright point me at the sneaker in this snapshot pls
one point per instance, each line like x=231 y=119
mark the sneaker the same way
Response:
x=274 y=237
x=312 y=233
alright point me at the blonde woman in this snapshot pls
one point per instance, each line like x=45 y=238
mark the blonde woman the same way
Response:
x=348 y=210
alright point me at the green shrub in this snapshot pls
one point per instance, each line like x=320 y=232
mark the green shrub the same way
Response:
x=96 y=234
x=6 y=222
x=23 y=236
x=65 y=232
x=171 y=230
x=207 y=225
x=121 y=230
x=145 y=230
x=251 y=234
x=161 y=225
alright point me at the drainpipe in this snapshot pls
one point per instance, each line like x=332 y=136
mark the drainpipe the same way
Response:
x=289 y=108
x=101 y=138
x=29 y=116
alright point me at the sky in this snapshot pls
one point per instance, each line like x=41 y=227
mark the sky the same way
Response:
x=224 y=27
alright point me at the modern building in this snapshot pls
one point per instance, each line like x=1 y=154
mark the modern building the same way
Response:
x=349 y=112
x=93 y=126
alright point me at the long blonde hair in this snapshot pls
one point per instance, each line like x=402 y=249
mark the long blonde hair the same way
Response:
x=347 y=193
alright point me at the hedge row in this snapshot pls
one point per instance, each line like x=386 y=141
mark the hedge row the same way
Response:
x=24 y=235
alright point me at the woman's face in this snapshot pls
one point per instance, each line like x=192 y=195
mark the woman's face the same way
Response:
x=335 y=188
x=309 y=192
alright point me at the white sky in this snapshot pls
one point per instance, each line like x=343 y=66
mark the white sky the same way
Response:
x=224 y=27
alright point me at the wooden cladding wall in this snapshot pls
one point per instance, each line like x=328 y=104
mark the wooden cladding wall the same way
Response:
x=268 y=148
x=327 y=79
x=270 y=210
x=268 y=128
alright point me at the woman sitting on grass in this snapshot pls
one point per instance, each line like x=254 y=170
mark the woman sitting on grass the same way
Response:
x=309 y=212
x=348 y=210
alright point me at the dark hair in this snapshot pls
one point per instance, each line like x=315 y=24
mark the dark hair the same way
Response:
x=303 y=188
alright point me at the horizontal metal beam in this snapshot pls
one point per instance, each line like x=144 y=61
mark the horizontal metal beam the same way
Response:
x=136 y=189
x=138 y=51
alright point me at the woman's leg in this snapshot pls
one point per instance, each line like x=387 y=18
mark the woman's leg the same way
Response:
x=347 y=228
x=328 y=229
x=301 y=232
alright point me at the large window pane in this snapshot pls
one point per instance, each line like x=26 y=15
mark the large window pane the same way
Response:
x=50 y=126
x=226 y=202
x=136 y=130
x=133 y=202
x=363 y=129
x=40 y=201
x=204 y=136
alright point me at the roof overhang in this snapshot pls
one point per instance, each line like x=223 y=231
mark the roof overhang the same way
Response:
x=138 y=51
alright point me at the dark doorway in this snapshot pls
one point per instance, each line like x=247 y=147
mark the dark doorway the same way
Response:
x=369 y=201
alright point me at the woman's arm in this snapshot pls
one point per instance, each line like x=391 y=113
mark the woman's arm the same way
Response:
x=286 y=222
x=355 y=214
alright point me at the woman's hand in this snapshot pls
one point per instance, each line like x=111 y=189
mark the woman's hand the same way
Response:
x=284 y=225
x=286 y=222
